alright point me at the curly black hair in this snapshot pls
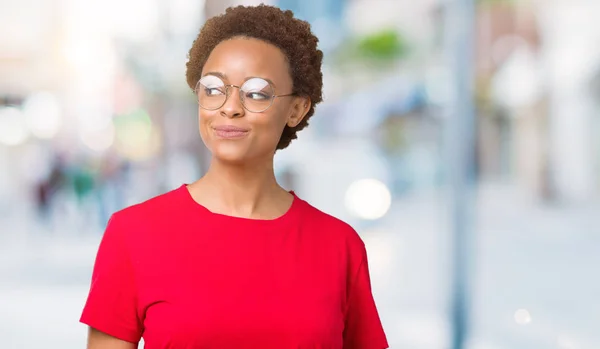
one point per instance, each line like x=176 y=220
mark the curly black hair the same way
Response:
x=277 y=27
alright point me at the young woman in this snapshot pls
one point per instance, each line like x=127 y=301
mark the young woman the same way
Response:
x=233 y=260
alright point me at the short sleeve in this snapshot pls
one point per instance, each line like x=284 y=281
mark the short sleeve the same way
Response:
x=111 y=306
x=363 y=329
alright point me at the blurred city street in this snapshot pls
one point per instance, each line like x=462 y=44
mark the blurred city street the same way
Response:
x=423 y=102
x=45 y=276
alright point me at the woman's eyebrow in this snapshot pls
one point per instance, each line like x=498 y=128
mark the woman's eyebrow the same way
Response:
x=221 y=75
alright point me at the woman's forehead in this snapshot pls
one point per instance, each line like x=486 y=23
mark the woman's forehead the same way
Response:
x=239 y=59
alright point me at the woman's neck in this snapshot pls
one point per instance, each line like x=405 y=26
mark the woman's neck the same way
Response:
x=249 y=190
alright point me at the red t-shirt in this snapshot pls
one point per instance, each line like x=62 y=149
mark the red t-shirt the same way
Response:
x=180 y=276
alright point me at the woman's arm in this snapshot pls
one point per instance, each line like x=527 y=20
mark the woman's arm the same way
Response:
x=101 y=340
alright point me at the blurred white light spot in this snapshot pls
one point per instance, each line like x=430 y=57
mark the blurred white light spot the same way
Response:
x=100 y=139
x=93 y=120
x=77 y=54
x=368 y=199
x=13 y=130
x=518 y=81
x=43 y=115
x=522 y=317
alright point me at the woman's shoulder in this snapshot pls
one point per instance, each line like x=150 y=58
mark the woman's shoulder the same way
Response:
x=154 y=207
x=331 y=227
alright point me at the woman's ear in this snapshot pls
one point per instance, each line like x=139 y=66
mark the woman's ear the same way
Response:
x=300 y=108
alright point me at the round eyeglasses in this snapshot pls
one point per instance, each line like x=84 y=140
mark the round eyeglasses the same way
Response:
x=256 y=94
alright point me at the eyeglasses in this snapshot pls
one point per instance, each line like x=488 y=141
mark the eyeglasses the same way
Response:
x=256 y=94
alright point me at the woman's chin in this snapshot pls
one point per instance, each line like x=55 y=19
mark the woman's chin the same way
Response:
x=238 y=155
x=229 y=154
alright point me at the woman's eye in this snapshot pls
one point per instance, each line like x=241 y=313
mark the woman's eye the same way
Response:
x=257 y=96
x=212 y=91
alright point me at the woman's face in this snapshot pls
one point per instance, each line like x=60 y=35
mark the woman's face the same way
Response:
x=231 y=132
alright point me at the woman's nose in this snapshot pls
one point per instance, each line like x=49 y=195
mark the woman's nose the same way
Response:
x=233 y=107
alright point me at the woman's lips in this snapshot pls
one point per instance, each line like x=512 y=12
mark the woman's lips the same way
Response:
x=230 y=132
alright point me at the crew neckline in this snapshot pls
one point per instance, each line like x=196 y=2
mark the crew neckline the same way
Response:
x=285 y=217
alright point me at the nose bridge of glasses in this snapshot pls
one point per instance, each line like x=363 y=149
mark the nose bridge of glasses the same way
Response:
x=230 y=87
x=229 y=92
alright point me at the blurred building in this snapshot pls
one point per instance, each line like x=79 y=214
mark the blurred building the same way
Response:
x=537 y=104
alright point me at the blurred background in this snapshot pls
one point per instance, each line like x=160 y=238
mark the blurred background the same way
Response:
x=95 y=115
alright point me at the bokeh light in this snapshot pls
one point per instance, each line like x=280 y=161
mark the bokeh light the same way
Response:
x=43 y=115
x=368 y=199
x=522 y=317
x=100 y=139
x=13 y=129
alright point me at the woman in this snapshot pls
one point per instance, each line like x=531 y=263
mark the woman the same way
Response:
x=234 y=260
